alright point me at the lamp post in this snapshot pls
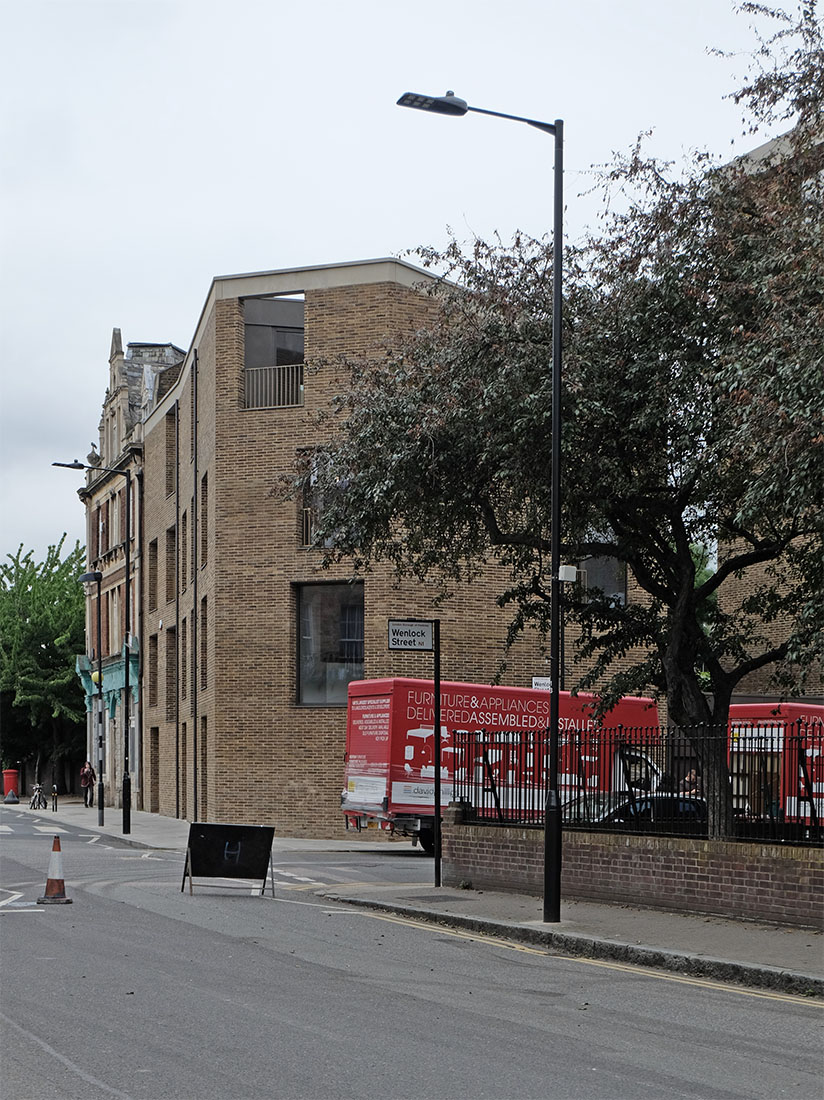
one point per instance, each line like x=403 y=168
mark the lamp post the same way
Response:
x=127 y=782
x=89 y=578
x=450 y=104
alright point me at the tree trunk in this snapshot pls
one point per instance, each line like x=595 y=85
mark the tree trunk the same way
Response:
x=706 y=728
x=710 y=745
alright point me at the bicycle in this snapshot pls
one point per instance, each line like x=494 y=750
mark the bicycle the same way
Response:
x=38 y=799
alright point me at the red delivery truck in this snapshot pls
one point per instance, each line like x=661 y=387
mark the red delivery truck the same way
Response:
x=777 y=761
x=389 y=780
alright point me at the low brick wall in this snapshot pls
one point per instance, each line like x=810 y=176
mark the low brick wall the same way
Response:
x=770 y=882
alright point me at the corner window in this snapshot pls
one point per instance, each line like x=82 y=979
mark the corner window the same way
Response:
x=330 y=641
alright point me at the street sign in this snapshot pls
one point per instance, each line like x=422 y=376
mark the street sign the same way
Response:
x=424 y=636
x=411 y=634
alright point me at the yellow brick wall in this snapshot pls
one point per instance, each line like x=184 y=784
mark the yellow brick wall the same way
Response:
x=267 y=759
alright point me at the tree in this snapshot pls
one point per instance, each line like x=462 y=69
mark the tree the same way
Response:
x=41 y=632
x=691 y=409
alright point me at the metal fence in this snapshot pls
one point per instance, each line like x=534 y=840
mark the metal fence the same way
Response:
x=651 y=780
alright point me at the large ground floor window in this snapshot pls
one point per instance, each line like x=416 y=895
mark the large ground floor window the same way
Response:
x=330 y=641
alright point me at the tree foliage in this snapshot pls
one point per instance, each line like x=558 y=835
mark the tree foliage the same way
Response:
x=692 y=413
x=41 y=632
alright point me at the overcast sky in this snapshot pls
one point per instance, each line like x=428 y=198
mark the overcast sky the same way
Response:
x=149 y=145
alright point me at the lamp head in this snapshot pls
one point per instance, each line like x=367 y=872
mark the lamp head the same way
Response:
x=448 y=104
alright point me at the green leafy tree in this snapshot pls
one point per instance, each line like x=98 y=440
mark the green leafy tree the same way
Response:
x=691 y=409
x=41 y=632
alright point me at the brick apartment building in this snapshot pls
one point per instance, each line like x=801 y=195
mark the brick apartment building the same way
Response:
x=242 y=645
x=247 y=645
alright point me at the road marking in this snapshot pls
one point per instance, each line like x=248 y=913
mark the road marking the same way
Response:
x=72 y=1066
x=6 y=829
x=49 y=829
x=91 y=837
x=306 y=887
x=297 y=878
x=642 y=971
x=13 y=897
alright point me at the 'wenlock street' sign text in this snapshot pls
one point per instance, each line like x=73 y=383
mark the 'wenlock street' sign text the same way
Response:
x=410 y=634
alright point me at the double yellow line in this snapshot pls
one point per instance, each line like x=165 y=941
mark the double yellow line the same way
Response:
x=625 y=968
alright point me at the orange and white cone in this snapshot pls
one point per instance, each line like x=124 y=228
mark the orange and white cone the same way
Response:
x=55 y=887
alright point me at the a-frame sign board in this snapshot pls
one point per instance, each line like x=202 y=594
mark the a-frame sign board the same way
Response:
x=229 y=852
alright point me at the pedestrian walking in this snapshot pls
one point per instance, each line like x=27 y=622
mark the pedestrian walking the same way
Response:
x=87 y=781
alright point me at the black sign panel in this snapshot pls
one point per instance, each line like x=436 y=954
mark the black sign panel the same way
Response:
x=228 y=851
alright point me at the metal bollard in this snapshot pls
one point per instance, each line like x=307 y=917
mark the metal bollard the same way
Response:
x=54 y=799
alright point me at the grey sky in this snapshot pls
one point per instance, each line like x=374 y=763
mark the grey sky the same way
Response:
x=149 y=145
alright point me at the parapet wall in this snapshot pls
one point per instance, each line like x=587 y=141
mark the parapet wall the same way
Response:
x=769 y=882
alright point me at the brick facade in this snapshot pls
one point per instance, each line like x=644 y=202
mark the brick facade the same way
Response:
x=230 y=742
x=732 y=597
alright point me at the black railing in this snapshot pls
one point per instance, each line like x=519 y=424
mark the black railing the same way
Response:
x=652 y=780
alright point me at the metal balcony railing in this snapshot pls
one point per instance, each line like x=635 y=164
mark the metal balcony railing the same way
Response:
x=274 y=387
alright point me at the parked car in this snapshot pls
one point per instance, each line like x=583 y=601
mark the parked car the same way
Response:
x=659 y=812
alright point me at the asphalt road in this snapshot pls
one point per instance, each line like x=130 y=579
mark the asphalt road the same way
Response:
x=140 y=990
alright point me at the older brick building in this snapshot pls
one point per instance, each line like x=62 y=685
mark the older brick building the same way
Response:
x=247 y=644
x=137 y=379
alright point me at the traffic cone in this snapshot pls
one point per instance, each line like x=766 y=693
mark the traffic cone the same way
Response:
x=55 y=887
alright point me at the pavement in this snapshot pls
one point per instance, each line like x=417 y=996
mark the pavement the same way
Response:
x=758 y=955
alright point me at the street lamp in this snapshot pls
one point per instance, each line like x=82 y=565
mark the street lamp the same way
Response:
x=450 y=104
x=89 y=578
x=127 y=782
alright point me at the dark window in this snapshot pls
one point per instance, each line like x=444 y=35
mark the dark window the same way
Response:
x=184 y=770
x=316 y=501
x=152 y=677
x=171 y=564
x=203 y=629
x=184 y=545
x=94 y=535
x=184 y=657
x=152 y=593
x=204 y=519
x=171 y=450
x=203 y=770
x=330 y=641
x=273 y=353
x=273 y=346
x=607 y=574
x=192 y=417
x=171 y=673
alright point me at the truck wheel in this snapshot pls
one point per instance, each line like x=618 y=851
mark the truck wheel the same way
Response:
x=427 y=841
